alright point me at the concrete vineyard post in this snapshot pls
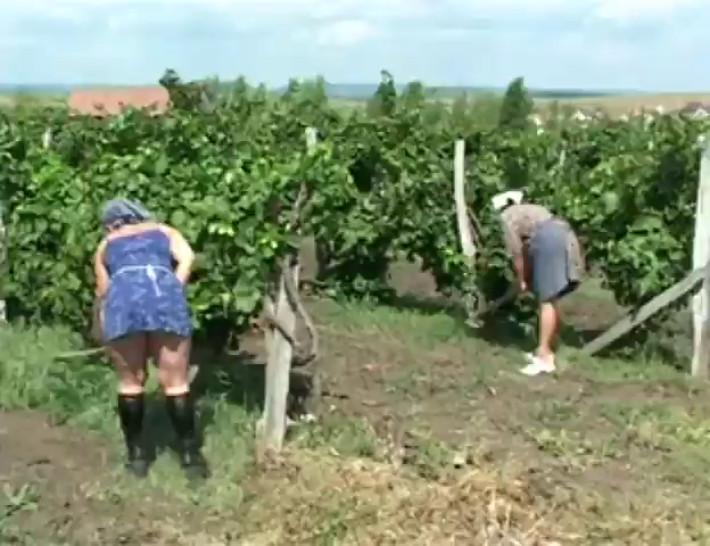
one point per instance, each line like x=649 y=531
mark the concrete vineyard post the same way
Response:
x=465 y=233
x=701 y=356
x=701 y=256
x=472 y=305
x=320 y=249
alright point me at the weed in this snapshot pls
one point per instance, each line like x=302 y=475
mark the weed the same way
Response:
x=428 y=456
x=18 y=499
x=341 y=435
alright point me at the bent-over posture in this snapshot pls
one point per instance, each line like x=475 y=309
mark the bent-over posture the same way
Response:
x=144 y=314
x=546 y=254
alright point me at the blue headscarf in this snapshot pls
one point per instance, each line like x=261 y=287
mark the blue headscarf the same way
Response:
x=118 y=212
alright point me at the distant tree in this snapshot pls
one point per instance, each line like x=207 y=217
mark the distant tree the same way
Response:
x=485 y=110
x=384 y=101
x=240 y=89
x=314 y=92
x=436 y=112
x=170 y=79
x=517 y=106
x=293 y=88
x=459 y=108
x=413 y=96
x=185 y=96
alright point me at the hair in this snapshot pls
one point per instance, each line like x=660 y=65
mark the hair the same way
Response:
x=120 y=212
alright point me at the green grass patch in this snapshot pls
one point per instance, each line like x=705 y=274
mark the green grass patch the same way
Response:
x=342 y=436
x=417 y=328
x=30 y=377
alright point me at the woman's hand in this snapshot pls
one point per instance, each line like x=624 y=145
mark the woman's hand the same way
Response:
x=520 y=267
x=182 y=252
x=97 y=324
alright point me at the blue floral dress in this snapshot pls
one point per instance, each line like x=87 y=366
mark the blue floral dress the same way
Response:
x=144 y=295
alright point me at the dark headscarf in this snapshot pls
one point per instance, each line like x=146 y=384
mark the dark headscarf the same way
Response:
x=118 y=212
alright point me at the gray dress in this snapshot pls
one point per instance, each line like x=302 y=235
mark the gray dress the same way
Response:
x=551 y=246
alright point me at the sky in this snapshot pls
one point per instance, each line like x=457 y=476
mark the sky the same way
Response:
x=649 y=45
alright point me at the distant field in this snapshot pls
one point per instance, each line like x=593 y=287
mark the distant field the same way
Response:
x=617 y=105
x=613 y=104
x=9 y=100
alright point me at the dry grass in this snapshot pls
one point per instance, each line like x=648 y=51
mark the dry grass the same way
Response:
x=307 y=498
x=329 y=500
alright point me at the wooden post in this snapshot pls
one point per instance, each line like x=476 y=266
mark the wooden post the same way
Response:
x=701 y=357
x=701 y=255
x=272 y=426
x=3 y=264
x=465 y=232
x=279 y=340
x=646 y=311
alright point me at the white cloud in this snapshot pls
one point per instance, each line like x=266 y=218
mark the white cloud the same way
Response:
x=597 y=43
x=345 y=33
x=261 y=12
x=628 y=10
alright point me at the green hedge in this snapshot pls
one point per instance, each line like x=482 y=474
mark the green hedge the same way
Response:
x=381 y=188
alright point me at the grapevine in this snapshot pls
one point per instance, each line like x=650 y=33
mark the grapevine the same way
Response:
x=380 y=189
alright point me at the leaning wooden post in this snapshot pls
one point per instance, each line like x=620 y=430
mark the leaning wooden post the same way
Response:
x=701 y=256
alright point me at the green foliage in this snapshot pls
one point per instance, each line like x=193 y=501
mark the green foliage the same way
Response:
x=413 y=96
x=188 y=95
x=380 y=187
x=517 y=106
x=228 y=186
x=480 y=112
x=384 y=101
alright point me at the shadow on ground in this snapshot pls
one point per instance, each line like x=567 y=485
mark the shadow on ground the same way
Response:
x=238 y=378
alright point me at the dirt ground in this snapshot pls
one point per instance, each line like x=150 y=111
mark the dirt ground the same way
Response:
x=614 y=454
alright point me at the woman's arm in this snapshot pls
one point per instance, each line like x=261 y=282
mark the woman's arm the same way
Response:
x=100 y=271
x=182 y=252
x=102 y=282
x=517 y=251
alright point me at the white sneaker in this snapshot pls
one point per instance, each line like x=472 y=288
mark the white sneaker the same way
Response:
x=537 y=366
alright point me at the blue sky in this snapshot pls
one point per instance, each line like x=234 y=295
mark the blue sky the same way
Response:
x=612 y=44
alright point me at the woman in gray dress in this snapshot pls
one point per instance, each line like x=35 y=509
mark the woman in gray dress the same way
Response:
x=547 y=258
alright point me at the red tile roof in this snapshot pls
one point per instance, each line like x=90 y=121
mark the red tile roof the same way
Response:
x=103 y=102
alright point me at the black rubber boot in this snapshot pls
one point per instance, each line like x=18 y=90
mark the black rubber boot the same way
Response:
x=130 y=412
x=182 y=414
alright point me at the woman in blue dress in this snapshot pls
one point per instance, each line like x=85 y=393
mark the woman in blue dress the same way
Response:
x=141 y=270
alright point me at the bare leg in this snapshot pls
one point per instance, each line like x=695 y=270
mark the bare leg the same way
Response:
x=129 y=359
x=549 y=330
x=172 y=355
